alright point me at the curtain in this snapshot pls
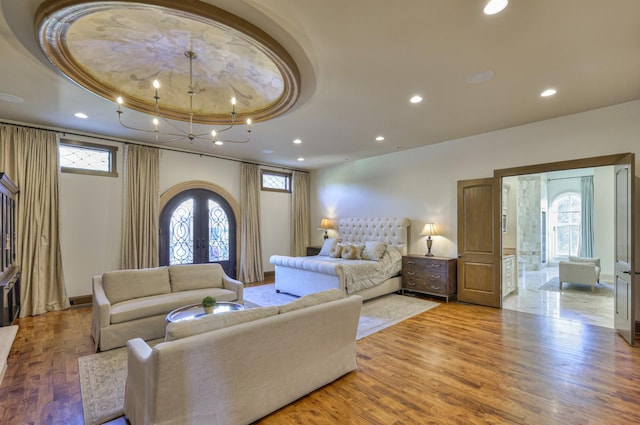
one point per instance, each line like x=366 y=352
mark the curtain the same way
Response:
x=30 y=159
x=300 y=214
x=251 y=247
x=586 y=222
x=141 y=208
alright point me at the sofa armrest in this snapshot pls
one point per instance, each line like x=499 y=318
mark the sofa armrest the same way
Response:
x=136 y=392
x=234 y=285
x=101 y=309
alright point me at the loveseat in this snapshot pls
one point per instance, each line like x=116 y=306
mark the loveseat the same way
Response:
x=236 y=367
x=134 y=303
x=582 y=270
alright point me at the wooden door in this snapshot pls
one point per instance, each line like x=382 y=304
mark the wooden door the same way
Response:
x=624 y=250
x=479 y=242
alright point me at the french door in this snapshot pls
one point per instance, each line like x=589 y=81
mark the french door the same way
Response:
x=198 y=226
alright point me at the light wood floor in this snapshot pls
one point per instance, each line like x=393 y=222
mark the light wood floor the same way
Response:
x=455 y=364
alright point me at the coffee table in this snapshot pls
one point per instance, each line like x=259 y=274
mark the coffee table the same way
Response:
x=195 y=311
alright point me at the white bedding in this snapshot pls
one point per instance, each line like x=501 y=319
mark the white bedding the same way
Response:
x=357 y=274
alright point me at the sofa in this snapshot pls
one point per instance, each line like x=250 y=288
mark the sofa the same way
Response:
x=239 y=366
x=134 y=303
x=582 y=270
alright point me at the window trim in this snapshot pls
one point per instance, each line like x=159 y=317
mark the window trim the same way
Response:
x=288 y=176
x=113 y=164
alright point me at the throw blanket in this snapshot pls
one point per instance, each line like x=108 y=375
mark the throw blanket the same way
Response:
x=357 y=274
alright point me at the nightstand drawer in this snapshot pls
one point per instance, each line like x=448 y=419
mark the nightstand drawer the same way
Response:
x=436 y=288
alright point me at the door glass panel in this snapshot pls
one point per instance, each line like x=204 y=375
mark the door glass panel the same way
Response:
x=181 y=234
x=218 y=233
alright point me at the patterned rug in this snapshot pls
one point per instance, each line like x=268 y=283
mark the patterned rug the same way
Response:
x=602 y=289
x=103 y=375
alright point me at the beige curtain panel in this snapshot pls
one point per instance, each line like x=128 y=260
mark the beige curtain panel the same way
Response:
x=30 y=158
x=142 y=208
x=251 y=246
x=300 y=213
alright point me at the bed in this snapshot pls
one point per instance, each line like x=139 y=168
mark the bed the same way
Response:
x=305 y=275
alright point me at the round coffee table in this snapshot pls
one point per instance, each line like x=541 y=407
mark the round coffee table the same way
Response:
x=195 y=311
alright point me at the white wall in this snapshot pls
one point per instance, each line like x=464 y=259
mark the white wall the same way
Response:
x=91 y=210
x=421 y=183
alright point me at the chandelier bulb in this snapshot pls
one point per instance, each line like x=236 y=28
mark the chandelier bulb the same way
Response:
x=156 y=84
x=219 y=142
x=120 y=100
x=213 y=133
x=233 y=100
x=156 y=122
x=248 y=121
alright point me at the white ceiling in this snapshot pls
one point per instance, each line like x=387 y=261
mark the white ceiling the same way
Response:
x=360 y=62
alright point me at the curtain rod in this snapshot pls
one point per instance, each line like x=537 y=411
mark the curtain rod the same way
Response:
x=131 y=142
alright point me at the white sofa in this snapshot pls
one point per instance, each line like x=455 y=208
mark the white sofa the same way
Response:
x=134 y=303
x=585 y=271
x=236 y=367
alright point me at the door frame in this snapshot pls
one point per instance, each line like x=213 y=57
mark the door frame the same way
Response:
x=598 y=161
x=168 y=194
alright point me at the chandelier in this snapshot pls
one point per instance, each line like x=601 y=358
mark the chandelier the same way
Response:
x=175 y=133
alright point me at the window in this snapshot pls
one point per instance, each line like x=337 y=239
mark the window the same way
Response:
x=87 y=158
x=565 y=223
x=275 y=181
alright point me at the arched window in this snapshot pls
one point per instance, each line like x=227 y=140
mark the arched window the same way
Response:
x=198 y=226
x=565 y=222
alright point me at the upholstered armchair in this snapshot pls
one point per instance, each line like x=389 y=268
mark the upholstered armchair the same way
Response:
x=585 y=271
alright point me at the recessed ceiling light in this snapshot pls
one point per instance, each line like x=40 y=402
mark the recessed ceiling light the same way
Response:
x=548 y=92
x=380 y=138
x=480 y=77
x=495 y=6
x=81 y=115
x=267 y=151
x=297 y=141
x=10 y=98
x=416 y=99
x=219 y=142
x=301 y=159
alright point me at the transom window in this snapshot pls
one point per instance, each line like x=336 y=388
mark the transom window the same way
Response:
x=565 y=217
x=87 y=158
x=275 y=181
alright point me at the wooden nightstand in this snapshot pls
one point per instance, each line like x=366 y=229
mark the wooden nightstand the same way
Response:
x=429 y=275
x=313 y=250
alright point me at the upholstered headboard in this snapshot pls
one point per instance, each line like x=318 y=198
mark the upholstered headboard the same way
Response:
x=391 y=230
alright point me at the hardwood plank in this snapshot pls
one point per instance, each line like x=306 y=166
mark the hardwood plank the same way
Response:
x=450 y=365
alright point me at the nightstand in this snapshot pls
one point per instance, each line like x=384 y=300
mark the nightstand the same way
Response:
x=313 y=250
x=429 y=275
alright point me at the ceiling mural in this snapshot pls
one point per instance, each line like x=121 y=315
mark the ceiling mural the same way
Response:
x=120 y=48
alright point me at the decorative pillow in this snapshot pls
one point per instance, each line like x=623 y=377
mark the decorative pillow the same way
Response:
x=312 y=299
x=373 y=250
x=349 y=252
x=336 y=251
x=327 y=245
x=359 y=249
x=212 y=322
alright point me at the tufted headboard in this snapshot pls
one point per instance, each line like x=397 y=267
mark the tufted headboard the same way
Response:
x=391 y=230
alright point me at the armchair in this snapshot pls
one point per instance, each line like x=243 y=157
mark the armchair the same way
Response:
x=585 y=271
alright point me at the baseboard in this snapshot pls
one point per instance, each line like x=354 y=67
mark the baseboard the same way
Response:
x=269 y=275
x=81 y=300
x=637 y=327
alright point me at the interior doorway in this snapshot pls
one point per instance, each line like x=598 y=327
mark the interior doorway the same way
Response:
x=550 y=218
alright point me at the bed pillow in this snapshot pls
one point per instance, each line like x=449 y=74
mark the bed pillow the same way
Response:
x=336 y=251
x=373 y=250
x=327 y=245
x=352 y=252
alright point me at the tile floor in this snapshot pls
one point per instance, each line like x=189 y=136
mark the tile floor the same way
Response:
x=578 y=307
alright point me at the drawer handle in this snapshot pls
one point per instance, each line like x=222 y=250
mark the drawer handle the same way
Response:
x=436 y=265
x=411 y=262
x=411 y=273
x=435 y=287
x=435 y=276
x=411 y=284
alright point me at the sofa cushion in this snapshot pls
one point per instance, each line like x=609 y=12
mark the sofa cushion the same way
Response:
x=312 y=299
x=139 y=308
x=122 y=285
x=212 y=322
x=594 y=261
x=195 y=276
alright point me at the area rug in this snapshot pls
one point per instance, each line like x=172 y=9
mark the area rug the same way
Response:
x=602 y=289
x=103 y=375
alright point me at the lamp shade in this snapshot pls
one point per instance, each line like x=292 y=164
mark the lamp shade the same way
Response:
x=429 y=229
x=325 y=223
